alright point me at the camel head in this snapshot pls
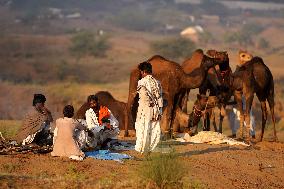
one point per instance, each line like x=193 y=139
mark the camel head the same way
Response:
x=219 y=55
x=244 y=57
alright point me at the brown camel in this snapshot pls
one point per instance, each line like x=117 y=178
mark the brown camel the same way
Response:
x=173 y=80
x=213 y=79
x=253 y=77
x=222 y=94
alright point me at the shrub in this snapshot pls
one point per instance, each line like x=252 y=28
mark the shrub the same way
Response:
x=263 y=43
x=165 y=170
x=238 y=37
x=174 y=48
x=251 y=29
x=206 y=37
x=87 y=43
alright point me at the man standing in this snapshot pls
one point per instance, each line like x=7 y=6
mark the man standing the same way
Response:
x=36 y=125
x=149 y=112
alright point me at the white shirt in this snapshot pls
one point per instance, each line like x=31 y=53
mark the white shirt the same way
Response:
x=93 y=122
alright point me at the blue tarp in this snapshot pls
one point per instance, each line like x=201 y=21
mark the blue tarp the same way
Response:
x=107 y=155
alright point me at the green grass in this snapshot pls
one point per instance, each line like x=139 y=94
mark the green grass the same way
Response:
x=73 y=174
x=10 y=167
x=9 y=128
x=164 y=170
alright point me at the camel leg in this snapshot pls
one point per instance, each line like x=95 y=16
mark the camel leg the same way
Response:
x=166 y=118
x=184 y=101
x=176 y=123
x=206 y=122
x=181 y=102
x=249 y=99
x=221 y=123
x=264 y=118
x=270 y=100
x=222 y=115
x=238 y=99
x=213 y=118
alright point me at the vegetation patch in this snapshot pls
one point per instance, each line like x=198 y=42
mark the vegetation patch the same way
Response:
x=164 y=170
x=174 y=48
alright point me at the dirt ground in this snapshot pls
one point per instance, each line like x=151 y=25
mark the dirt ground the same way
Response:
x=211 y=166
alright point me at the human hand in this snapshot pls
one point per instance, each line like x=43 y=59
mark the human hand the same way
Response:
x=44 y=110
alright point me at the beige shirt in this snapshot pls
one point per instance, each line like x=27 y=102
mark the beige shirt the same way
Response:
x=65 y=144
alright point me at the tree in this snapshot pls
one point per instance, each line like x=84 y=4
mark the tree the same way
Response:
x=263 y=43
x=174 y=48
x=87 y=43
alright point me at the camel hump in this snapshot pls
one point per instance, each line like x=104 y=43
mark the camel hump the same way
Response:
x=257 y=59
x=194 y=62
x=254 y=60
x=155 y=57
x=104 y=96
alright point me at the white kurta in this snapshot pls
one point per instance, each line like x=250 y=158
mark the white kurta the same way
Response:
x=147 y=123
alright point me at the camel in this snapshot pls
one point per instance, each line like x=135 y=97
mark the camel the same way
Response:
x=188 y=122
x=173 y=81
x=221 y=96
x=213 y=79
x=253 y=77
x=118 y=108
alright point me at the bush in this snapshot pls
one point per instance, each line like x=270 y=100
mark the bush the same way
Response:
x=174 y=48
x=251 y=29
x=206 y=37
x=238 y=37
x=165 y=170
x=87 y=43
x=263 y=43
x=245 y=35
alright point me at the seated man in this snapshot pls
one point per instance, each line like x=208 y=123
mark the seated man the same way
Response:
x=65 y=142
x=36 y=125
x=99 y=120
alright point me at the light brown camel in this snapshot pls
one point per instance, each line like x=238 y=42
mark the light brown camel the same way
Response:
x=173 y=80
x=213 y=79
x=253 y=77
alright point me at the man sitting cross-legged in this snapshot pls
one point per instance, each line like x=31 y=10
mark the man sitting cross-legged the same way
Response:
x=99 y=120
x=36 y=124
x=65 y=141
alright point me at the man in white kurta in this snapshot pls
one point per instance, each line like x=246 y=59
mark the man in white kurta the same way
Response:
x=149 y=112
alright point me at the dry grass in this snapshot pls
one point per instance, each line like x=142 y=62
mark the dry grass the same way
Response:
x=9 y=128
